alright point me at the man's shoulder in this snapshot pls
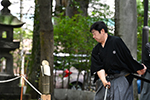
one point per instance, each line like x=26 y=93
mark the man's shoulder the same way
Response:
x=115 y=38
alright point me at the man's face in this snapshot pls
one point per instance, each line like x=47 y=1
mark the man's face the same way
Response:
x=97 y=36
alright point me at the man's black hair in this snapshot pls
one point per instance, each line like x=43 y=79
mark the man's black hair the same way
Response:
x=99 y=26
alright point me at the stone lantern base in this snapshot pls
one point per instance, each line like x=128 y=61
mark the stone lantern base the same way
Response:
x=11 y=90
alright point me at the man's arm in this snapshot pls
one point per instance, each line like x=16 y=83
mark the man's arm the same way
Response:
x=102 y=75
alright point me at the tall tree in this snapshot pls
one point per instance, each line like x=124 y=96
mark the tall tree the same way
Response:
x=46 y=36
x=76 y=7
x=72 y=7
x=35 y=56
x=42 y=44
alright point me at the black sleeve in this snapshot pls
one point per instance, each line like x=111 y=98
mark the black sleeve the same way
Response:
x=146 y=56
x=132 y=65
x=96 y=63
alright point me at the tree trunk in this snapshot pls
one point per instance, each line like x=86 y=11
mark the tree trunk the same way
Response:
x=35 y=60
x=60 y=4
x=80 y=6
x=83 y=6
x=46 y=38
x=42 y=45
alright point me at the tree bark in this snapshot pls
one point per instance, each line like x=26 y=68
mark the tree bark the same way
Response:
x=46 y=38
x=42 y=46
x=35 y=56
x=80 y=7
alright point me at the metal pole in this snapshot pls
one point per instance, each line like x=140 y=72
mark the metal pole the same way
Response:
x=145 y=12
x=145 y=31
x=145 y=28
x=144 y=38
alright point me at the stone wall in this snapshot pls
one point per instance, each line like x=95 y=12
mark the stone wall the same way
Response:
x=67 y=94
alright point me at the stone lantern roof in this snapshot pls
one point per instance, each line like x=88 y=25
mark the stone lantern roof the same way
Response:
x=10 y=21
x=6 y=18
x=7 y=23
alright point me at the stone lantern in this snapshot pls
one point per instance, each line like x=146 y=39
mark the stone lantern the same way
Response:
x=7 y=23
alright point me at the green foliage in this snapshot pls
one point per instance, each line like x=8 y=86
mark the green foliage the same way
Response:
x=140 y=22
x=20 y=33
x=72 y=36
x=72 y=33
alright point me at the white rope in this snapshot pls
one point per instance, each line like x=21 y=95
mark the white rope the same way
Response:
x=4 y=81
x=31 y=85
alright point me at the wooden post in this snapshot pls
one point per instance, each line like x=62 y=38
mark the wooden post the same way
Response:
x=45 y=80
x=45 y=84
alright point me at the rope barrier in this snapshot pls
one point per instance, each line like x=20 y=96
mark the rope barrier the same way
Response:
x=10 y=80
x=32 y=85
x=4 y=81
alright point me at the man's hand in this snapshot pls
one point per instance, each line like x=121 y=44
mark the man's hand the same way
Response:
x=105 y=83
x=142 y=71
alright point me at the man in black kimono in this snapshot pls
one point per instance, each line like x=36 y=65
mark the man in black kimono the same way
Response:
x=145 y=93
x=112 y=63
